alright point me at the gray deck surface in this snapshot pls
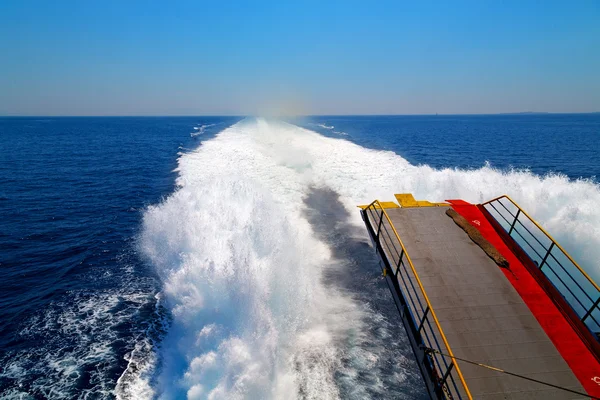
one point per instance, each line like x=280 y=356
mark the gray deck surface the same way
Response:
x=482 y=315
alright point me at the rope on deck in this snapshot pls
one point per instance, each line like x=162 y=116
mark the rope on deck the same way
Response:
x=430 y=350
x=479 y=240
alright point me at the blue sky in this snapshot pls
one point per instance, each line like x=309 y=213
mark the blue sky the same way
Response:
x=215 y=58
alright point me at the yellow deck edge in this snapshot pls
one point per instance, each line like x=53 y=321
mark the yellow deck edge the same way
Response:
x=407 y=200
x=376 y=204
x=383 y=204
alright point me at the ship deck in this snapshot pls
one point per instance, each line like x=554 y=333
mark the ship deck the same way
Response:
x=482 y=317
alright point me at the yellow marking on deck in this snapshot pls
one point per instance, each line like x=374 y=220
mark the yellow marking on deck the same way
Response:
x=382 y=204
x=407 y=200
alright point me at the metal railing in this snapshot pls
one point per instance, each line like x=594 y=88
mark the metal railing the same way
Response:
x=571 y=281
x=411 y=299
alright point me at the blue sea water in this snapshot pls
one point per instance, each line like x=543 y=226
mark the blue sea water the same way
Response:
x=74 y=292
x=543 y=143
x=198 y=256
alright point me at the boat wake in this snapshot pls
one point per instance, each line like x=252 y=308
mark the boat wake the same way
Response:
x=330 y=128
x=200 y=130
x=267 y=273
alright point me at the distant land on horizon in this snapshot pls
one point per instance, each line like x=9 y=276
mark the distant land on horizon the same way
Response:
x=543 y=112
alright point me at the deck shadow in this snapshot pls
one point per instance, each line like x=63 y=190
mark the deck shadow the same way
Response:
x=355 y=271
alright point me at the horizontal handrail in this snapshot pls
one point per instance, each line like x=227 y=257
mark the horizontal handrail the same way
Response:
x=551 y=261
x=549 y=237
x=376 y=205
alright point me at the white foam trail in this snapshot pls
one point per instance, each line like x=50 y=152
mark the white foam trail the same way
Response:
x=330 y=127
x=200 y=130
x=324 y=126
x=241 y=271
x=83 y=331
x=242 y=267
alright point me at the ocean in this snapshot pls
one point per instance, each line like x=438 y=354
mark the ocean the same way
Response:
x=225 y=258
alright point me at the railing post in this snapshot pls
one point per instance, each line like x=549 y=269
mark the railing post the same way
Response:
x=547 y=254
x=380 y=222
x=514 y=222
x=443 y=381
x=399 y=261
x=423 y=319
x=405 y=311
x=589 y=312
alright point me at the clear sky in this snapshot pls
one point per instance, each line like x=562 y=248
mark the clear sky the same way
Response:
x=129 y=57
